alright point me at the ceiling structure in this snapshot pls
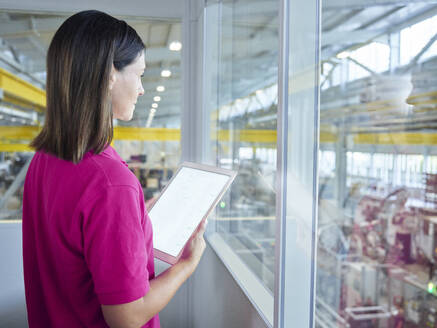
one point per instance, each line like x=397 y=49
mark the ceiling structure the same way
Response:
x=25 y=38
x=249 y=57
x=392 y=100
x=248 y=46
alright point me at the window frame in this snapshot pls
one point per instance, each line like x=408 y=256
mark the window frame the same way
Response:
x=287 y=246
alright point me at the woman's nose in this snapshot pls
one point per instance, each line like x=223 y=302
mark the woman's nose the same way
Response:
x=141 y=91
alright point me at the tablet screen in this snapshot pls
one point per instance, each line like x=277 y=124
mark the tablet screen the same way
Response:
x=182 y=206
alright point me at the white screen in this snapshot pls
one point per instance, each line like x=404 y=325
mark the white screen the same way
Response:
x=182 y=206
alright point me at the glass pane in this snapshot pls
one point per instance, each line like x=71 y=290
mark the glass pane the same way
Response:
x=150 y=142
x=241 y=98
x=377 y=242
x=298 y=131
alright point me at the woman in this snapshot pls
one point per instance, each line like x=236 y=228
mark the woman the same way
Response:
x=87 y=238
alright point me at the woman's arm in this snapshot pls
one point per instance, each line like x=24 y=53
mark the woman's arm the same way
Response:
x=162 y=289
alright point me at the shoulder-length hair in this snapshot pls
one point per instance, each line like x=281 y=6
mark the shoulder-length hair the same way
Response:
x=79 y=61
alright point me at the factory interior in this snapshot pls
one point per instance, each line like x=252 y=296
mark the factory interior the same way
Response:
x=326 y=109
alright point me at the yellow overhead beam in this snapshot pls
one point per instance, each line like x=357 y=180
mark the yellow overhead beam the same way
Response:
x=19 y=132
x=20 y=92
x=425 y=98
x=120 y=133
x=16 y=147
x=400 y=138
x=262 y=136
x=424 y=102
x=146 y=134
x=268 y=137
x=158 y=134
x=328 y=137
x=150 y=134
x=421 y=95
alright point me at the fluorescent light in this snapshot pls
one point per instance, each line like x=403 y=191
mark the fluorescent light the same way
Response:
x=343 y=54
x=150 y=118
x=175 y=46
x=165 y=73
x=154 y=105
x=157 y=98
x=160 y=88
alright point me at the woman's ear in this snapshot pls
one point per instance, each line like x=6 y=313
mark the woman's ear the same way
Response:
x=112 y=77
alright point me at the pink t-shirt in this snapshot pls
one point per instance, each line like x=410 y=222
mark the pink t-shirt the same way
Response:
x=87 y=239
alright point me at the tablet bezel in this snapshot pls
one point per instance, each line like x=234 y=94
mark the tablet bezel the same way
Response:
x=208 y=168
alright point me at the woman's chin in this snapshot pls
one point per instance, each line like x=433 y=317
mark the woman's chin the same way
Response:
x=127 y=117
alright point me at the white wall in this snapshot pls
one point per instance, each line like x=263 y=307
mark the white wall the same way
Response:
x=12 y=301
x=217 y=301
x=210 y=299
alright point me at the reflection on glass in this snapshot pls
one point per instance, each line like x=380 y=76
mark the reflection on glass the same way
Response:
x=377 y=236
x=150 y=142
x=243 y=122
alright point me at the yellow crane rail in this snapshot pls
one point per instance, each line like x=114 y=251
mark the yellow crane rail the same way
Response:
x=22 y=93
x=401 y=138
x=146 y=134
x=17 y=134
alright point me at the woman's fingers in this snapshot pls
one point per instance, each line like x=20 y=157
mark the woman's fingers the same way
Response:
x=201 y=229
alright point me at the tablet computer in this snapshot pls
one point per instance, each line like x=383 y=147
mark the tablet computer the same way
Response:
x=187 y=200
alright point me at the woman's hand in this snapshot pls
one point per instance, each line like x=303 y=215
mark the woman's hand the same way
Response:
x=195 y=247
x=162 y=287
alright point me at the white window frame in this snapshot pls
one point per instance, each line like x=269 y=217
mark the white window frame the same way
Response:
x=294 y=297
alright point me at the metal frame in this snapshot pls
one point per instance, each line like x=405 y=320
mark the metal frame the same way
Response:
x=282 y=145
x=192 y=116
x=298 y=119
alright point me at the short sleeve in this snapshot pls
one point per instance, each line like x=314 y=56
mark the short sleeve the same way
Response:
x=115 y=246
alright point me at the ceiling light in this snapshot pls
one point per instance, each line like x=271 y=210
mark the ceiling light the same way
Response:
x=160 y=88
x=343 y=54
x=165 y=73
x=149 y=119
x=157 y=98
x=175 y=46
x=155 y=105
x=152 y=111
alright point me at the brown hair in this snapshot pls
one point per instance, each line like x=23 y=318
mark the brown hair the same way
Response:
x=79 y=62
